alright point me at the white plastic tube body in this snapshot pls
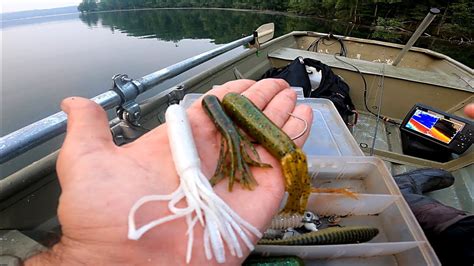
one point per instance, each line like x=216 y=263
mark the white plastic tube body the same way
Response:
x=185 y=155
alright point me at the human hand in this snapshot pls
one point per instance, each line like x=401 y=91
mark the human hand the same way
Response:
x=469 y=110
x=101 y=181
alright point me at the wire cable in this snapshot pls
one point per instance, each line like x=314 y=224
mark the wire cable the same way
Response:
x=343 y=52
x=315 y=44
x=384 y=118
x=379 y=105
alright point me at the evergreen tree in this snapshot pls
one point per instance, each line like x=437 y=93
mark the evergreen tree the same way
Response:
x=456 y=20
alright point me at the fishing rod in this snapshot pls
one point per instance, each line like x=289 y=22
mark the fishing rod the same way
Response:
x=122 y=95
x=423 y=26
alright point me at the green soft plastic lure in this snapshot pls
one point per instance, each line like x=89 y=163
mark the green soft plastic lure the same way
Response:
x=328 y=236
x=234 y=159
x=273 y=261
x=292 y=159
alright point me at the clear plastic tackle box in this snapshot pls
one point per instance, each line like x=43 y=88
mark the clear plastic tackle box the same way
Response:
x=336 y=161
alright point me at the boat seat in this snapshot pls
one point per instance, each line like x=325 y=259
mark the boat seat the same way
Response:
x=373 y=68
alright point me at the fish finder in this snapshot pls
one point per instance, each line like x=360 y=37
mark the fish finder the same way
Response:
x=436 y=127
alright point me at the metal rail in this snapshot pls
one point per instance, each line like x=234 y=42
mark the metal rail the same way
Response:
x=423 y=26
x=24 y=139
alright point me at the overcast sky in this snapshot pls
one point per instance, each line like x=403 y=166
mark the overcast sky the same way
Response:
x=21 y=5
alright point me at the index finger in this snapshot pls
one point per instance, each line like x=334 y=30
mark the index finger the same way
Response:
x=237 y=86
x=260 y=93
x=263 y=91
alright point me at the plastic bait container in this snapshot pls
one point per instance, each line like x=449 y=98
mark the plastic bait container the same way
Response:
x=400 y=240
x=336 y=161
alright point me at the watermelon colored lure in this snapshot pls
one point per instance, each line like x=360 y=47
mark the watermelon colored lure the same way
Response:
x=250 y=119
x=233 y=148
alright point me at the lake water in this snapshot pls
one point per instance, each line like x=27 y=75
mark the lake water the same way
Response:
x=47 y=59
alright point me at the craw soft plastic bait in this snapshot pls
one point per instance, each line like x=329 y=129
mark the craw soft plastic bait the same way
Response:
x=293 y=161
x=233 y=158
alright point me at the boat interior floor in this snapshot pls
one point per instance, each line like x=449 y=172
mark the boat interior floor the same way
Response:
x=388 y=146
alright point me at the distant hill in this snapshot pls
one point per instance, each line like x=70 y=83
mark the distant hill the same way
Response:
x=38 y=13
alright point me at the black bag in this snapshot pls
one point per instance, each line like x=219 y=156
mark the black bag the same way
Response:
x=294 y=73
x=332 y=87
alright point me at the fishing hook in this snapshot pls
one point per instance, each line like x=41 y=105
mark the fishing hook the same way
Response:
x=305 y=126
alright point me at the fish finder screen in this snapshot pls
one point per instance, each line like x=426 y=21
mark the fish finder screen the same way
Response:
x=434 y=125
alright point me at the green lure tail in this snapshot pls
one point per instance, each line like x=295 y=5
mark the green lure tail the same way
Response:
x=233 y=160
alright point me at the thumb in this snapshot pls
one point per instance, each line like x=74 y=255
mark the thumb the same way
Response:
x=87 y=126
x=469 y=110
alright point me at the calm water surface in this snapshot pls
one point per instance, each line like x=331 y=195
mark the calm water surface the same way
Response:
x=47 y=59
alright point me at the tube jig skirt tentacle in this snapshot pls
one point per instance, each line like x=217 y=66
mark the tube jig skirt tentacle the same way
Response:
x=221 y=224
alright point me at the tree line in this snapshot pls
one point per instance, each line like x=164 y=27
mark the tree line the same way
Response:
x=175 y=25
x=455 y=21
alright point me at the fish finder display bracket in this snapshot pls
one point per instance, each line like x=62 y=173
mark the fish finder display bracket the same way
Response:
x=451 y=132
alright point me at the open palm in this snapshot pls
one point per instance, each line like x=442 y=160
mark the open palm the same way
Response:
x=100 y=181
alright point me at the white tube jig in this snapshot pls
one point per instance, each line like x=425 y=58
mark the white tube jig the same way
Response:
x=222 y=226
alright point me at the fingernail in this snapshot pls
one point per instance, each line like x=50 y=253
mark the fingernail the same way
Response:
x=290 y=92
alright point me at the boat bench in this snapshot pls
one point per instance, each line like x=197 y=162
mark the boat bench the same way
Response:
x=373 y=68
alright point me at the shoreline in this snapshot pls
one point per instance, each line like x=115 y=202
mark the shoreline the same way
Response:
x=403 y=32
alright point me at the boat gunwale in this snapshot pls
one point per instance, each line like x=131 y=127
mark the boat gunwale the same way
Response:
x=398 y=74
x=391 y=45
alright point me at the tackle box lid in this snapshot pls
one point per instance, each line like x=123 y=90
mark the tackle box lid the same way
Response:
x=329 y=135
